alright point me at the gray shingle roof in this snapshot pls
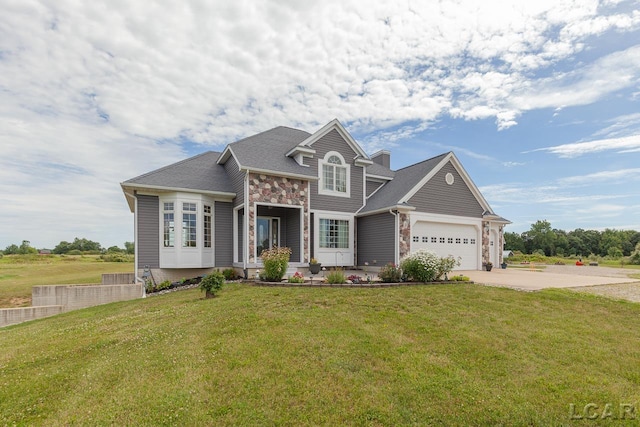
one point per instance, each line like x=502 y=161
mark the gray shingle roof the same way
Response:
x=379 y=170
x=199 y=172
x=404 y=180
x=267 y=151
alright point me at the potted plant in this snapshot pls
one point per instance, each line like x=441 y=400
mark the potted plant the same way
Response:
x=488 y=266
x=212 y=283
x=503 y=265
x=314 y=266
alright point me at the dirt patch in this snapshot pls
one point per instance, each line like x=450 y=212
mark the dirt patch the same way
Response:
x=627 y=291
x=15 y=302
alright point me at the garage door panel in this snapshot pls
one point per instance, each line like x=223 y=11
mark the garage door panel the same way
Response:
x=458 y=240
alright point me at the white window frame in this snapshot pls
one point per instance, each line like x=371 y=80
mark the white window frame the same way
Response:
x=321 y=182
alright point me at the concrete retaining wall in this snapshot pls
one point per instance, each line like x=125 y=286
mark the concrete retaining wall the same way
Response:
x=118 y=278
x=53 y=299
x=11 y=316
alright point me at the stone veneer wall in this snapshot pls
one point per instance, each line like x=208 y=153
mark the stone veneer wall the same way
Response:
x=277 y=190
x=404 y=234
x=501 y=243
x=486 y=257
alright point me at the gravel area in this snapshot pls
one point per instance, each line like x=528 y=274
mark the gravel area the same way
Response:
x=627 y=291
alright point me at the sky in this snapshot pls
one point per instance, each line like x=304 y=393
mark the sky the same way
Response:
x=539 y=100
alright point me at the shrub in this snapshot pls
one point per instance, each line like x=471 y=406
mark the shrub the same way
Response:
x=275 y=262
x=336 y=277
x=212 y=283
x=116 y=257
x=445 y=265
x=163 y=285
x=229 y=273
x=421 y=266
x=390 y=273
x=296 y=278
x=75 y=252
x=459 y=278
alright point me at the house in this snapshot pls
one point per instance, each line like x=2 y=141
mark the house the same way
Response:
x=319 y=194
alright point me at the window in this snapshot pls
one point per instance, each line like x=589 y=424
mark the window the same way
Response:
x=425 y=239
x=442 y=240
x=169 y=225
x=465 y=241
x=473 y=241
x=434 y=240
x=450 y=240
x=457 y=240
x=207 y=226
x=334 y=233
x=416 y=239
x=334 y=175
x=189 y=228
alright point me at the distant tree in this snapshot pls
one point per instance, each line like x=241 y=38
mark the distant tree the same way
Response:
x=12 y=250
x=540 y=237
x=513 y=242
x=115 y=249
x=26 y=248
x=614 y=252
x=82 y=245
x=130 y=247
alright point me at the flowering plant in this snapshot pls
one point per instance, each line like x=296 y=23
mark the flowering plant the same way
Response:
x=276 y=261
x=296 y=278
x=422 y=266
x=390 y=273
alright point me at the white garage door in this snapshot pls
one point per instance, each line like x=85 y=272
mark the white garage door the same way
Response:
x=458 y=240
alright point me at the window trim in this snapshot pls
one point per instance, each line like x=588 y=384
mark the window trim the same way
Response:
x=336 y=223
x=321 y=180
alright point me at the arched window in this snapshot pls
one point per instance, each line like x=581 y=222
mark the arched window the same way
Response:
x=334 y=177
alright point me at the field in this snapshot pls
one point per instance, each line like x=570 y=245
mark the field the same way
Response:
x=420 y=355
x=18 y=273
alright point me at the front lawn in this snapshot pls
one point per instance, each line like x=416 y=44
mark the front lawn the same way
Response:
x=418 y=355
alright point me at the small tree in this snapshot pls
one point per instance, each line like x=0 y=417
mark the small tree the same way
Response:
x=212 y=283
x=275 y=262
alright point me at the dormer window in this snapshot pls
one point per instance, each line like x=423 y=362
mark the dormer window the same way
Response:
x=334 y=175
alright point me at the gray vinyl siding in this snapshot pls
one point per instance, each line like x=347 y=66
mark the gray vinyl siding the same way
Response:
x=293 y=234
x=376 y=239
x=148 y=238
x=334 y=142
x=436 y=196
x=240 y=235
x=372 y=186
x=223 y=238
x=237 y=180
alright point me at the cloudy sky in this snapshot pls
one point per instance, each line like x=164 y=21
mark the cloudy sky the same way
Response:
x=539 y=99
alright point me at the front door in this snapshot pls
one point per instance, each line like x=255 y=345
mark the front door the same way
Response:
x=267 y=234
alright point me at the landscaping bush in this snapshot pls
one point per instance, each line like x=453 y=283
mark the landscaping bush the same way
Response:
x=212 y=283
x=459 y=278
x=421 y=266
x=354 y=278
x=229 y=273
x=163 y=285
x=335 y=277
x=445 y=265
x=116 y=257
x=390 y=273
x=275 y=262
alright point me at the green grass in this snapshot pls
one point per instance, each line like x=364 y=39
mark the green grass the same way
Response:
x=18 y=273
x=419 y=355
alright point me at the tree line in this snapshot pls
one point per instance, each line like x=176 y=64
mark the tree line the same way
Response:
x=542 y=238
x=66 y=248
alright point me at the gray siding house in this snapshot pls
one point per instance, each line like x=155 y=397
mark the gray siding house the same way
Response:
x=319 y=194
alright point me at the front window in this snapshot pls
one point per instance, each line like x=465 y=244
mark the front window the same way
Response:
x=334 y=175
x=207 y=226
x=169 y=225
x=334 y=233
x=189 y=228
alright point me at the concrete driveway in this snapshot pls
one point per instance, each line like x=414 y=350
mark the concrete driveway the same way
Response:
x=550 y=277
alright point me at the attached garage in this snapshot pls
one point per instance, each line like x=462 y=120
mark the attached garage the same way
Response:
x=459 y=240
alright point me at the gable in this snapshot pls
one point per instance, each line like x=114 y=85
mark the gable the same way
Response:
x=438 y=197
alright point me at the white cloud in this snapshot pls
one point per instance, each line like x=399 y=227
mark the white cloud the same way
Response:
x=620 y=145
x=621 y=175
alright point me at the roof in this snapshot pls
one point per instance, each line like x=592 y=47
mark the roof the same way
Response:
x=199 y=172
x=376 y=169
x=390 y=194
x=267 y=151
